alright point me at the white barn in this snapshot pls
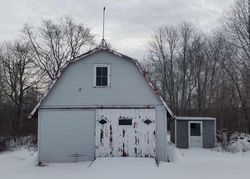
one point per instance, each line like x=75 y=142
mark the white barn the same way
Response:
x=101 y=105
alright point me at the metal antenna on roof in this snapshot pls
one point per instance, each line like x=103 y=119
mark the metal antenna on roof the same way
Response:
x=103 y=22
x=103 y=43
x=249 y=21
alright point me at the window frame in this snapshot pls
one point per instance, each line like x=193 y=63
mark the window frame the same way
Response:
x=108 y=75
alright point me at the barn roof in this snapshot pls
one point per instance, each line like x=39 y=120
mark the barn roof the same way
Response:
x=97 y=49
x=194 y=118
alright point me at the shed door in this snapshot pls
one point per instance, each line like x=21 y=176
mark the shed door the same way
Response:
x=125 y=132
x=195 y=134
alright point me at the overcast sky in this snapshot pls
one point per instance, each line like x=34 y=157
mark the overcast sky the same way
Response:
x=129 y=24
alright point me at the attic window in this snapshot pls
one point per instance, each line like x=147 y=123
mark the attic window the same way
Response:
x=101 y=75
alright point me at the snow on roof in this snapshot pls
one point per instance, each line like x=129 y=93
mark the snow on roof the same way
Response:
x=97 y=49
x=194 y=118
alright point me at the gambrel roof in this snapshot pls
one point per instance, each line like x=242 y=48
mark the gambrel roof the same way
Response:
x=98 y=49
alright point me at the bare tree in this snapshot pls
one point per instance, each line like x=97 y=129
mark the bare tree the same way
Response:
x=237 y=28
x=177 y=52
x=206 y=75
x=2 y=84
x=162 y=53
x=237 y=65
x=200 y=71
x=185 y=36
x=53 y=44
x=18 y=76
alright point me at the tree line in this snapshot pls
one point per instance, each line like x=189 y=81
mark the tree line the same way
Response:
x=29 y=64
x=198 y=74
x=206 y=74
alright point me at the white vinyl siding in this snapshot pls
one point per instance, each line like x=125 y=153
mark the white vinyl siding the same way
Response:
x=66 y=135
x=161 y=134
x=75 y=86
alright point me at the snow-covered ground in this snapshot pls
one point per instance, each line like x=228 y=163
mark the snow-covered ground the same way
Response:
x=239 y=142
x=191 y=163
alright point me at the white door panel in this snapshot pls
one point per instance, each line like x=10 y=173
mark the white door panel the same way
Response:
x=195 y=134
x=125 y=132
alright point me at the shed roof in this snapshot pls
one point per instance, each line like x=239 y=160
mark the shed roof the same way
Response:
x=95 y=50
x=194 y=118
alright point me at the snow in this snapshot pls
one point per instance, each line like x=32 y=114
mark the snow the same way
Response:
x=239 y=142
x=189 y=164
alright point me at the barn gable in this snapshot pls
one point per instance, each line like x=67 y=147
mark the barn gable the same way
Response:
x=74 y=87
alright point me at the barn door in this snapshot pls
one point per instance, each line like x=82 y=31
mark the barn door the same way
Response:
x=195 y=134
x=125 y=132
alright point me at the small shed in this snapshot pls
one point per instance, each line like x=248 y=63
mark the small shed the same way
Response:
x=188 y=132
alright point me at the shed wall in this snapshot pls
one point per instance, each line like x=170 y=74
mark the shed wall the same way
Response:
x=208 y=134
x=182 y=134
x=172 y=131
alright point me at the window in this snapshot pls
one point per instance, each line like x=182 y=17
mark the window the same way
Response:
x=101 y=75
x=195 y=129
x=125 y=121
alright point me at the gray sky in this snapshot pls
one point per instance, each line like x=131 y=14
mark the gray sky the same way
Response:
x=129 y=24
